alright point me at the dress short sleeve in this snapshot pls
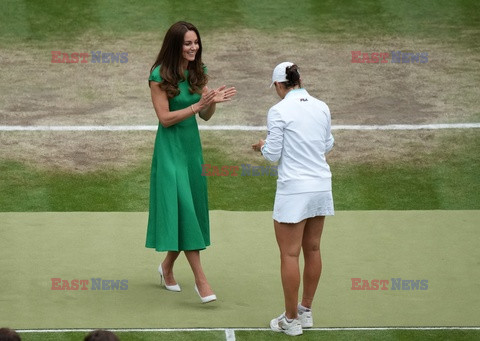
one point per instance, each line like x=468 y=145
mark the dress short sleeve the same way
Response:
x=155 y=75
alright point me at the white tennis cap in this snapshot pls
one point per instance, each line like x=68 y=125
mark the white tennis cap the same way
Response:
x=280 y=72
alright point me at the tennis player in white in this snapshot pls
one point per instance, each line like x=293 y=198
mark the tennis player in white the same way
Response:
x=299 y=136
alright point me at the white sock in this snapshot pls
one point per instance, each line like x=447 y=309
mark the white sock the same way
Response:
x=302 y=309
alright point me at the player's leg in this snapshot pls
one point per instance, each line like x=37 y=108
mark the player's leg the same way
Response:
x=313 y=260
x=289 y=239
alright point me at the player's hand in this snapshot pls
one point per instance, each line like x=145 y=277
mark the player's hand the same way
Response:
x=258 y=146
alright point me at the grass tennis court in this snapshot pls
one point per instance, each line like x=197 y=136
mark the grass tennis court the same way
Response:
x=86 y=245
x=245 y=335
x=72 y=204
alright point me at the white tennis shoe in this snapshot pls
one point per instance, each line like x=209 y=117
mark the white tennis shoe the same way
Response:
x=281 y=325
x=305 y=317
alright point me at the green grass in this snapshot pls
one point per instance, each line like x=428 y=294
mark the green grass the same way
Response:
x=28 y=189
x=348 y=335
x=52 y=20
x=130 y=336
x=252 y=193
x=446 y=177
x=242 y=335
x=396 y=187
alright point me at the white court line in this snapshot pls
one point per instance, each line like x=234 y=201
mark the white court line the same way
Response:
x=230 y=334
x=408 y=126
x=238 y=127
x=240 y=329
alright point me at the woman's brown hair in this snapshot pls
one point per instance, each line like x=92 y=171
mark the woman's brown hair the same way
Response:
x=293 y=77
x=170 y=60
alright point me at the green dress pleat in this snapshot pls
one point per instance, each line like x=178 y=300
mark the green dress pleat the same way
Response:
x=178 y=214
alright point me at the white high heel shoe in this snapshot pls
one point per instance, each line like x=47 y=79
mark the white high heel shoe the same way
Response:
x=205 y=299
x=175 y=287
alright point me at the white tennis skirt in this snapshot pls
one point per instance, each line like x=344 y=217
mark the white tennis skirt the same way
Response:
x=293 y=208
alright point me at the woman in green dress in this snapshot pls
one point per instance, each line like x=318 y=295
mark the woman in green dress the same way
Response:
x=178 y=215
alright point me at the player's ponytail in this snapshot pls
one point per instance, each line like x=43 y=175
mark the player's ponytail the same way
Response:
x=293 y=77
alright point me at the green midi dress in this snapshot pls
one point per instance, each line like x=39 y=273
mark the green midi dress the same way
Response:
x=178 y=214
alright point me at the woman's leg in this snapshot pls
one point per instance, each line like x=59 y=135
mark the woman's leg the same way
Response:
x=313 y=259
x=289 y=239
x=203 y=287
x=167 y=267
